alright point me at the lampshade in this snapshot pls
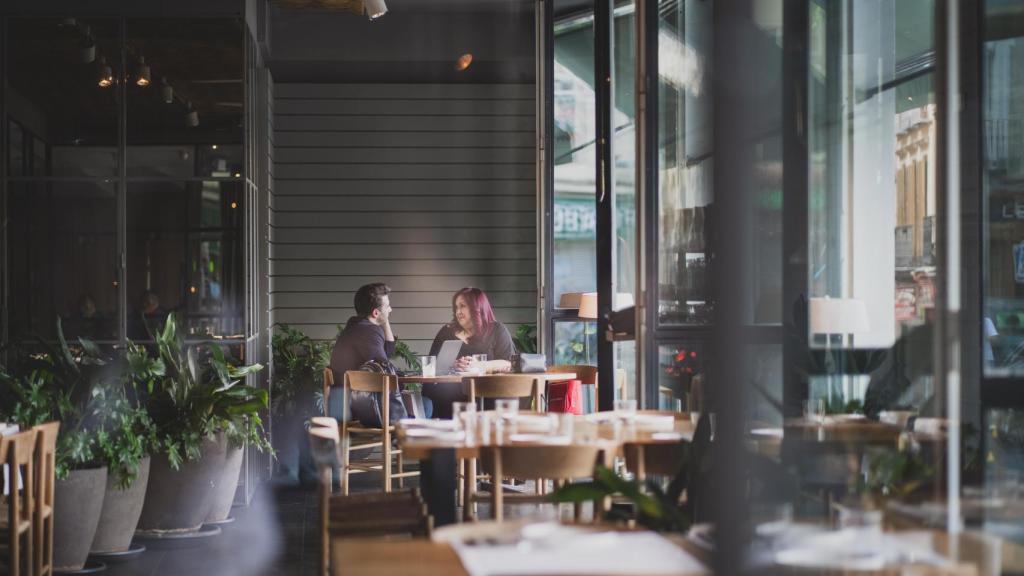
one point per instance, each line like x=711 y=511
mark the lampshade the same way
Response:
x=375 y=8
x=588 y=305
x=838 y=316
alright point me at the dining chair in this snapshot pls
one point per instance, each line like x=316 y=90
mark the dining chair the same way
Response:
x=494 y=387
x=370 y=437
x=45 y=475
x=586 y=374
x=359 y=515
x=656 y=458
x=17 y=451
x=550 y=462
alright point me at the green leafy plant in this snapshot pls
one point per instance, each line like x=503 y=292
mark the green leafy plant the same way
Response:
x=893 y=474
x=299 y=364
x=91 y=393
x=525 y=339
x=654 y=507
x=405 y=354
x=195 y=393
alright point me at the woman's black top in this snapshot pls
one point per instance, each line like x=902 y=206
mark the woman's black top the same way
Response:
x=496 y=343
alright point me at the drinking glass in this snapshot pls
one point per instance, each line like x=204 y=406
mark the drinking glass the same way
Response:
x=626 y=406
x=506 y=406
x=814 y=410
x=865 y=522
x=477 y=365
x=459 y=409
x=429 y=366
x=561 y=425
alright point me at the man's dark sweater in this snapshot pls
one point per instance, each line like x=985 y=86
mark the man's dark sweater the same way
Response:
x=360 y=342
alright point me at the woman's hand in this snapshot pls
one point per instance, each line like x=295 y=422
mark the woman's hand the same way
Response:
x=463 y=364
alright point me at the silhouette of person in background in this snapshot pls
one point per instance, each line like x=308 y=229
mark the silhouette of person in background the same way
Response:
x=149 y=318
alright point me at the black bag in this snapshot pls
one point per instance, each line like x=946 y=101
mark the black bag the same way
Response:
x=529 y=363
x=366 y=405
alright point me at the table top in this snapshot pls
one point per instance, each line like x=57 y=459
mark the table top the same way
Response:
x=455 y=378
x=372 y=557
x=681 y=430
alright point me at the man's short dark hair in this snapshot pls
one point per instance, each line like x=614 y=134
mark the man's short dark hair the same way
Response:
x=370 y=297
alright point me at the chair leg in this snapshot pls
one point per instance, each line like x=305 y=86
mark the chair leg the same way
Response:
x=401 y=470
x=469 y=491
x=345 y=471
x=460 y=476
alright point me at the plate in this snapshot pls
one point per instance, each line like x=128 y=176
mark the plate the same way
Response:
x=432 y=434
x=538 y=439
x=422 y=423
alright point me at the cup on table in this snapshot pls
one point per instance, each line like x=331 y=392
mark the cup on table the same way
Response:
x=866 y=523
x=506 y=407
x=428 y=366
x=814 y=410
x=477 y=364
x=626 y=406
x=459 y=412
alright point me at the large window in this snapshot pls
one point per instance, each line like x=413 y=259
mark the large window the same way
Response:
x=126 y=186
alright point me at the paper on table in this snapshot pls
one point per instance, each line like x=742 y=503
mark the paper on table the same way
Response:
x=596 y=553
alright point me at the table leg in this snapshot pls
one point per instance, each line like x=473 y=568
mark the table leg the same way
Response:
x=438 y=484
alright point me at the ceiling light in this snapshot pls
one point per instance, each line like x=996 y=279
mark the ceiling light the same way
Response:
x=142 y=76
x=463 y=62
x=191 y=117
x=167 y=92
x=375 y=8
x=106 y=78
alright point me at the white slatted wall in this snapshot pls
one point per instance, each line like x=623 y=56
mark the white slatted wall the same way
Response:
x=426 y=187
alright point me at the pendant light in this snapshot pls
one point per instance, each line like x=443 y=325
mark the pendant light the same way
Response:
x=142 y=76
x=106 y=78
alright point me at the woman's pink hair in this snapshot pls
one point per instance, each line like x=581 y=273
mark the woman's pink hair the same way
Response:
x=479 y=309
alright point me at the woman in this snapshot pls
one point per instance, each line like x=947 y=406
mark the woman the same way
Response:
x=474 y=324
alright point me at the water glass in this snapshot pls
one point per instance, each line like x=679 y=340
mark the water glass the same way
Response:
x=459 y=410
x=428 y=365
x=626 y=406
x=506 y=407
x=562 y=425
x=477 y=364
x=483 y=425
x=866 y=523
x=814 y=410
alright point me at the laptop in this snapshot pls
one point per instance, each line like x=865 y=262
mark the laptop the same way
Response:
x=447 y=356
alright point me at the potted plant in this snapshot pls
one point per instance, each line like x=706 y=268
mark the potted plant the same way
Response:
x=296 y=395
x=78 y=386
x=200 y=409
x=127 y=438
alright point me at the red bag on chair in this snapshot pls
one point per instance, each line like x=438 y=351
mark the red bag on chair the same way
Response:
x=565 y=396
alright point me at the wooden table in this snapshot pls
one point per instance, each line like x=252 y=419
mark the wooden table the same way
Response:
x=456 y=379
x=369 y=557
x=438 y=458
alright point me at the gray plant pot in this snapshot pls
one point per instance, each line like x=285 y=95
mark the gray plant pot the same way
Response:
x=179 y=500
x=121 y=510
x=78 y=501
x=224 y=495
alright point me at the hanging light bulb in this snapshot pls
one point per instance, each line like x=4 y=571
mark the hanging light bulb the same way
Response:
x=375 y=8
x=142 y=76
x=106 y=78
x=191 y=116
x=166 y=91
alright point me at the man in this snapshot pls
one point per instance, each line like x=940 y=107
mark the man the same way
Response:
x=367 y=336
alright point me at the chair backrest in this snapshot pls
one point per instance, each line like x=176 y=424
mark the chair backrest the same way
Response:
x=328 y=382
x=369 y=381
x=500 y=386
x=322 y=421
x=585 y=373
x=323 y=447
x=560 y=462
x=46 y=460
x=18 y=451
x=658 y=459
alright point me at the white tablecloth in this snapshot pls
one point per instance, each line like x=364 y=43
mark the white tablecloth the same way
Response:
x=640 y=553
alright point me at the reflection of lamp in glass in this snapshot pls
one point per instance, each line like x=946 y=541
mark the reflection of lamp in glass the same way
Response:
x=142 y=76
x=106 y=78
x=191 y=116
x=375 y=8
x=841 y=316
x=166 y=91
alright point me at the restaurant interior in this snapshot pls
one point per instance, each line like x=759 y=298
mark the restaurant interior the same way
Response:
x=627 y=263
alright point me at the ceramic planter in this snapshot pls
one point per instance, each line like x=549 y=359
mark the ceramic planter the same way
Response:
x=78 y=501
x=224 y=495
x=121 y=511
x=180 y=500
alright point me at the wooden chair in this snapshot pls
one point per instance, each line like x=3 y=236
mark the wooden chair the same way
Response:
x=383 y=384
x=492 y=387
x=16 y=527
x=328 y=382
x=372 y=514
x=45 y=472
x=550 y=462
x=586 y=374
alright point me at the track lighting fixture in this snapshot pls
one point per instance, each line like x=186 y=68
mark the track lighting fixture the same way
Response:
x=167 y=92
x=375 y=8
x=106 y=78
x=142 y=76
x=191 y=116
